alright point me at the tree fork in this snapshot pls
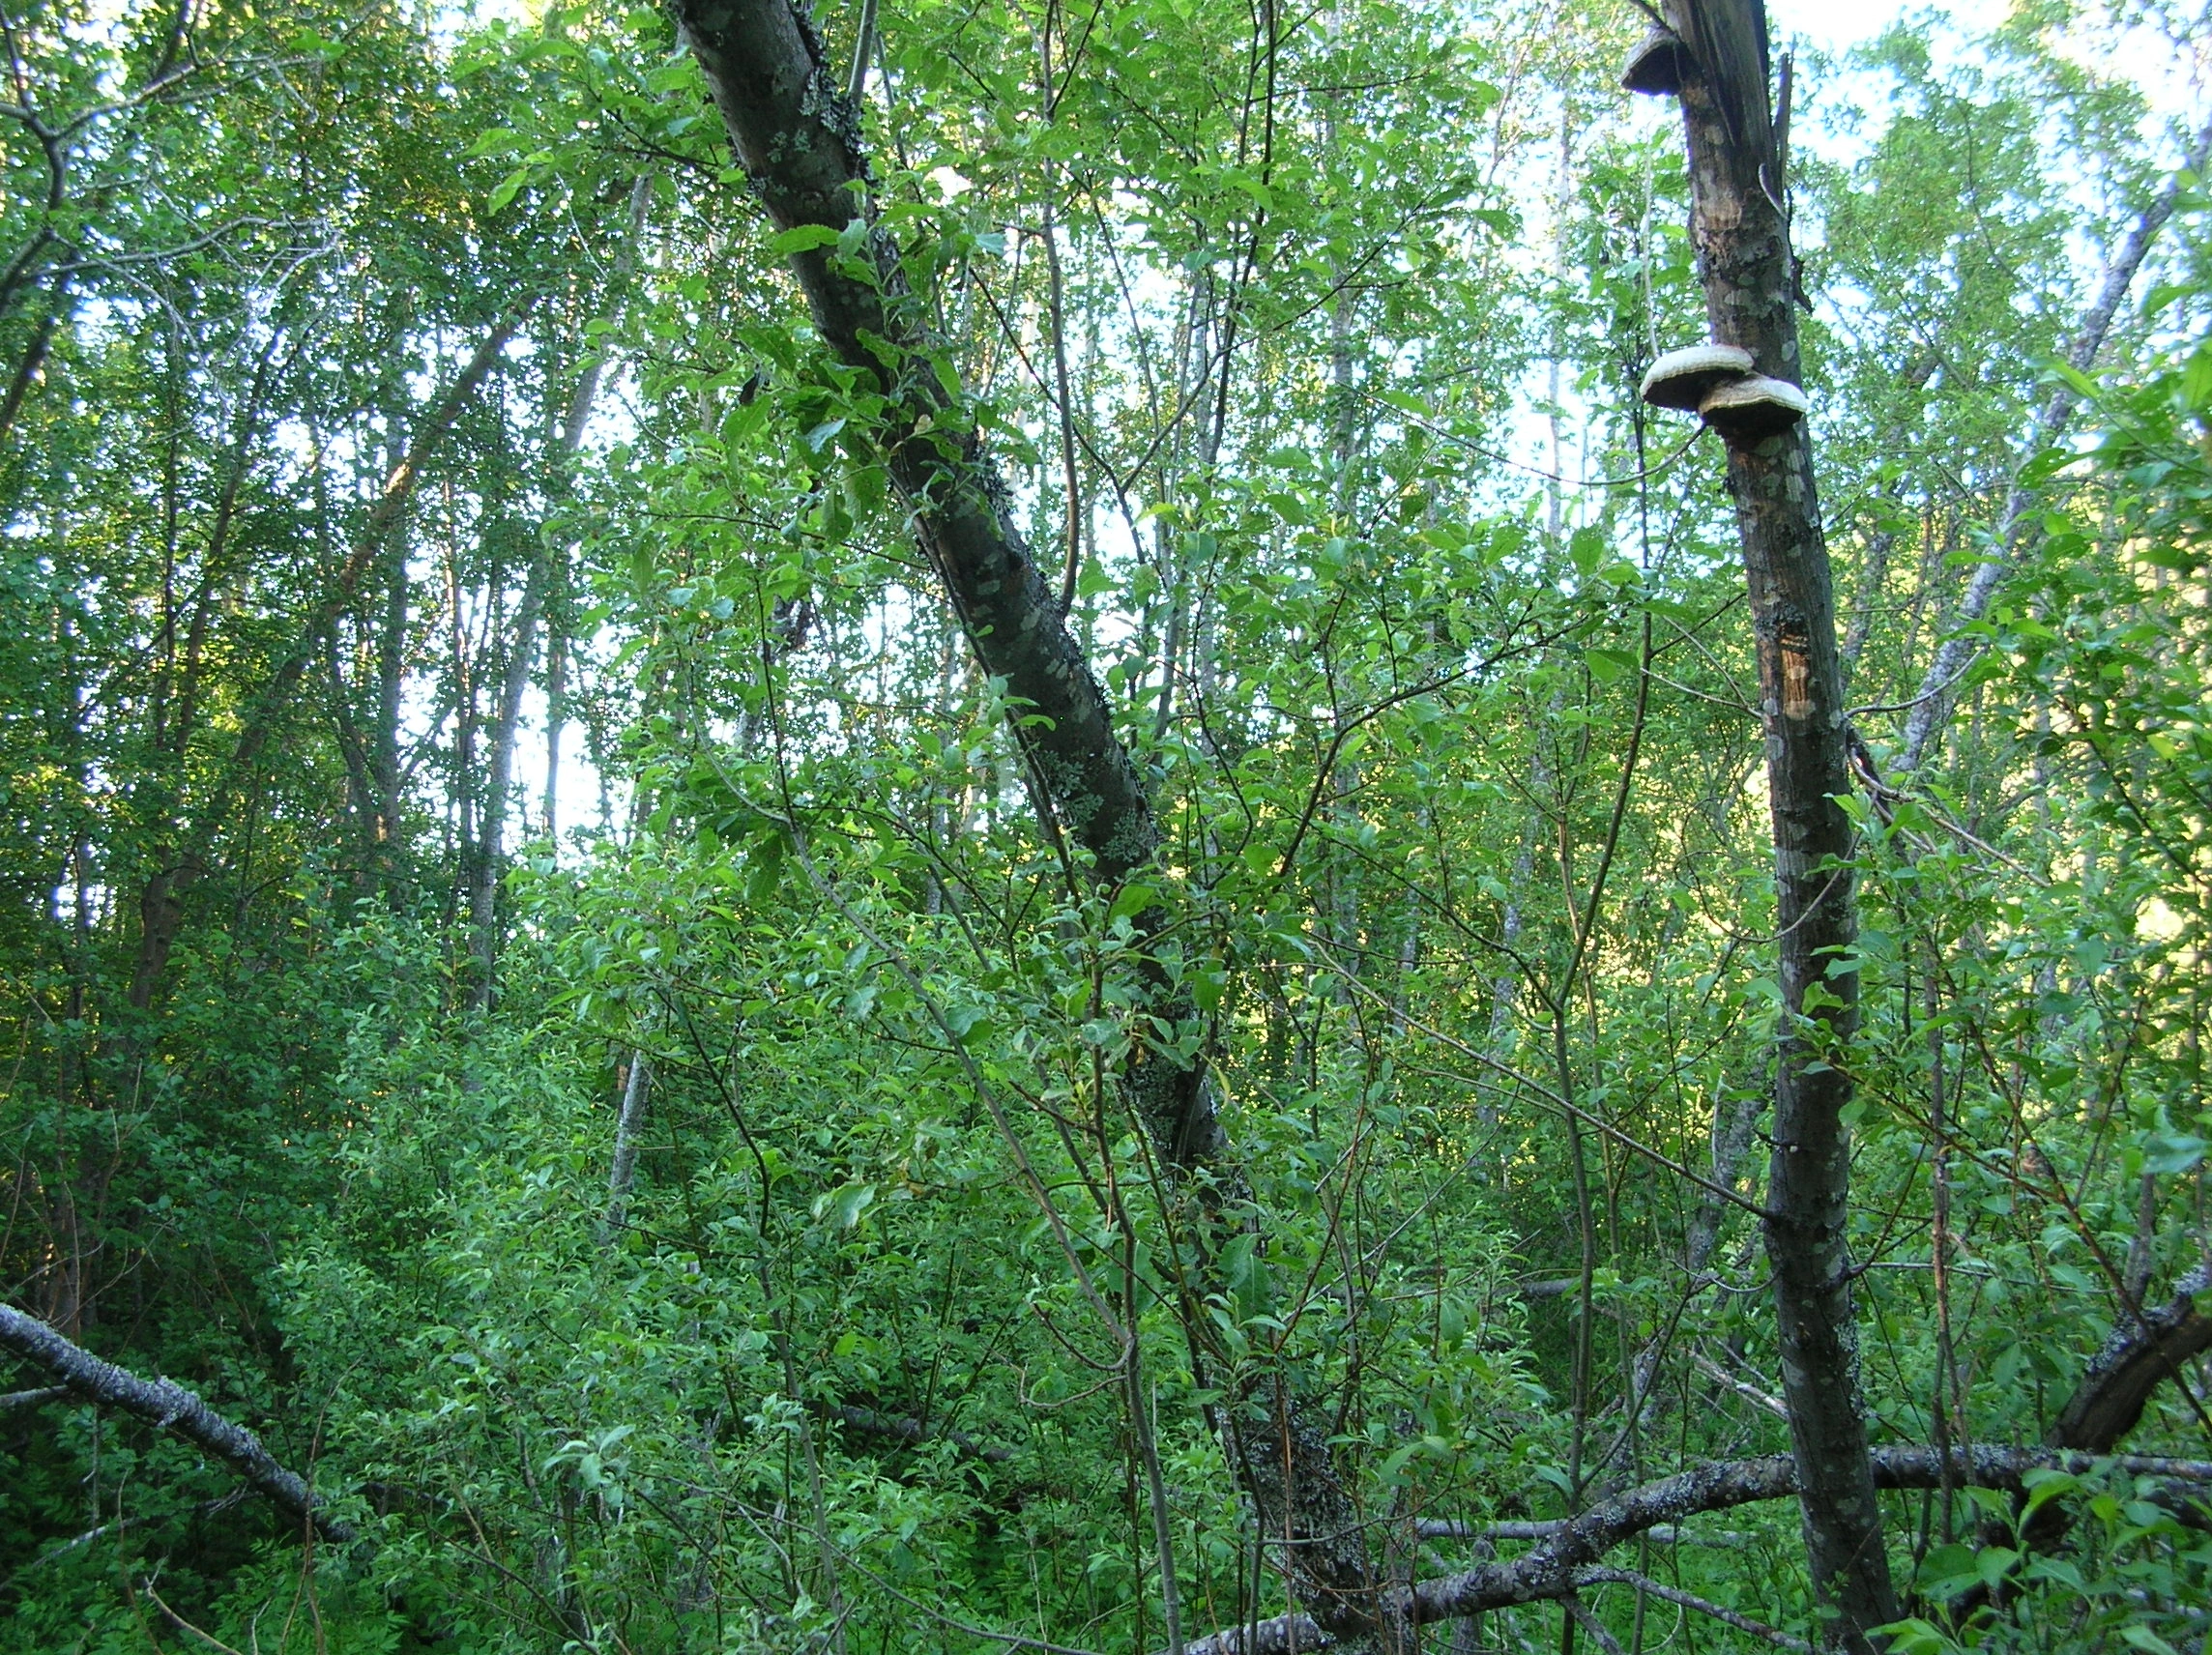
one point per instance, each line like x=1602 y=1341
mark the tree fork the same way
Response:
x=1740 y=230
x=2148 y=1347
x=797 y=137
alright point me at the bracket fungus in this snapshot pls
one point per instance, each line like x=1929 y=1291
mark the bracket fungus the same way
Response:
x=1683 y=379
x=1655 y=66
x=1750 y=410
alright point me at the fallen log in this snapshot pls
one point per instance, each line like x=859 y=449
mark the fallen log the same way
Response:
x=1569 y=1559
x=168 y=1405
x=2148 y=1347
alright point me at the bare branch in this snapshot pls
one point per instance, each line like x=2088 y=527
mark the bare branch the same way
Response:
x=1690 y=1600
x=1568 y=1558
x=168 y=1405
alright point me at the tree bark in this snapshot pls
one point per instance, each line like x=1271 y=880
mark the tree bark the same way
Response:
x=1567 y=1559
x=623 y=1168
x=2111 y=1399
x=798 y=138
x=33 y=356
x=2153 y=1346
x=168 y=1405
x=1741 y=236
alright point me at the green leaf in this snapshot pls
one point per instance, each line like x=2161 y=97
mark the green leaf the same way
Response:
x=1606 y=665
x=2142 y=1637
x=2196 y=377
x=2043 y=1487
x=843 y=1206
x=1404 y=404
x=1132 y=900
x=508 y=187
x=802 y=237
x=2172 y=1152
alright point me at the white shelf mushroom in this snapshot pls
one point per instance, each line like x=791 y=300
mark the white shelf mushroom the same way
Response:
x=1655 y=66
x=1683 y=379
x=1750 y=410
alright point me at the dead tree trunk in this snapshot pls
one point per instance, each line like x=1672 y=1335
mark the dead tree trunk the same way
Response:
x=1741 y=231
x=627 y=1125
x=166 y=1406
x=797 y=136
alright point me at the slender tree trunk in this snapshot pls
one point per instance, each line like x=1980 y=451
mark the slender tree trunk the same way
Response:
x=623 y=1168
x=391 y=687
x=1741 y=236
x=161 y=901
x=556 y=720
x=798 y=139
x=507 y=724
x=34 y=356
x=1931 y=706
x=1055 y=295
x=522 y=655
x=176 y=713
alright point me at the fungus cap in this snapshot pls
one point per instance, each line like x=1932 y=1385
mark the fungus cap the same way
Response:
x=1655 y=66
x=1683 y=379
x=1749 y=410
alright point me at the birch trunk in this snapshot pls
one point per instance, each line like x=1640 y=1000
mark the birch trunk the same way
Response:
x=1931 y=706
x=522 y=659
x=624 y=1170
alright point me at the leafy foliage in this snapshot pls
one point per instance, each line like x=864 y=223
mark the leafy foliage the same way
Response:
x=1309 y=347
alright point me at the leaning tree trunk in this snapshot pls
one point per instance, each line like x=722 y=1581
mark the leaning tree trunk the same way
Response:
x=1938 y=687
x=797 y=136
x=1741 y=235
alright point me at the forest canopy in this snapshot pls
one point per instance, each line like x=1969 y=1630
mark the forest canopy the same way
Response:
x=1106 y=830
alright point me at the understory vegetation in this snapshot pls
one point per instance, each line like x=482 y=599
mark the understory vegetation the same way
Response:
x=557 y=969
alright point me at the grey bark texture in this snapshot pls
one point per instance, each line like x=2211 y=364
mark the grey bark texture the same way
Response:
x=14 y=1402
x=624 y=1170
x=797 y=136
x=2145 y=1350
x=169 y=1407
x=1569 y=1559
x=1740 y=232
